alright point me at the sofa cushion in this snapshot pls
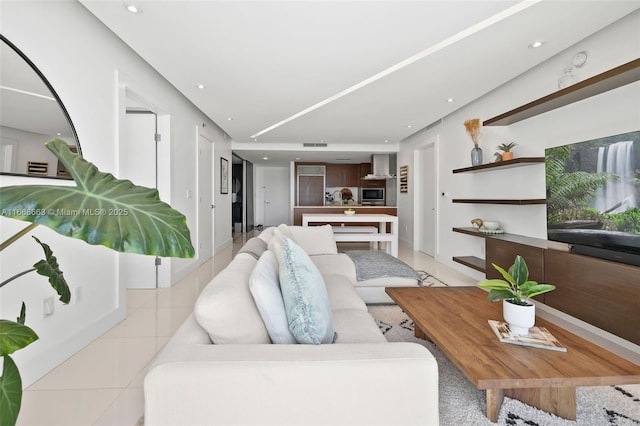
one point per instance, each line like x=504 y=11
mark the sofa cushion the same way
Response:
x=267 y=234
x=313 y=239
x=264 y=285
x=304 y=294
x=356 y=326
x=342 y=294
x=225 y=308
x=336 y=264
x=255 y=247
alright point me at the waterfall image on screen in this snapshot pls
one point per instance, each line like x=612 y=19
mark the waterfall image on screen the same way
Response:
x=593 y=193
x=617 y=195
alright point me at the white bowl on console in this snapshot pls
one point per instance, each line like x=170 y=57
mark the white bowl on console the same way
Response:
x=349 y=212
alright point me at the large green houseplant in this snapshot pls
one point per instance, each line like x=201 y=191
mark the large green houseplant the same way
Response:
x=100 y=210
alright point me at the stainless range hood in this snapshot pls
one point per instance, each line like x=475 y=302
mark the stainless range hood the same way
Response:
x=383 y=166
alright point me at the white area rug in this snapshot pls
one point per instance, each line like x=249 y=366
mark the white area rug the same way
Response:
x=462 y=404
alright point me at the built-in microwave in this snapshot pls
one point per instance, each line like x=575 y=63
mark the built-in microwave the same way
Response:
x=373 y=196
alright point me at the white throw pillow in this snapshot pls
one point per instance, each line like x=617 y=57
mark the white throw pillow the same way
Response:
x=225 y=307
x=313 y=239
x=305 y=296
x=264 y=285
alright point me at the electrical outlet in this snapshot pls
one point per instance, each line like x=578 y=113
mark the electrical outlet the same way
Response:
x=48 y=307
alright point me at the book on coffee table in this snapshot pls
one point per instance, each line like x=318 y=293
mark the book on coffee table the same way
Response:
x=538 y=337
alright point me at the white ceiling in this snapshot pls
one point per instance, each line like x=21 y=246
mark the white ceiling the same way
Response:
x=351 y=74
x=27 y=103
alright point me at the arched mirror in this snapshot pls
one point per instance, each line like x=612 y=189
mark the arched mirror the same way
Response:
x=31 y=113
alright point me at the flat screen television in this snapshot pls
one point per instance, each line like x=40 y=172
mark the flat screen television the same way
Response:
x=593 y=197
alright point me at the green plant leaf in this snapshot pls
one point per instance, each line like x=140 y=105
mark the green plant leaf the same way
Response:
x=49 y=268
x=494 y=285
x=100 y=209
x=524 y=288
x=495 y=295
x=519 y=271
x=10 y=392
x=23 y=314
x=14 y=336
x=539 y=289
x=505 y=274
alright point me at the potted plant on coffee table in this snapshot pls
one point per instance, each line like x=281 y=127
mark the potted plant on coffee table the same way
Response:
x=515 y=291
x=100 y=210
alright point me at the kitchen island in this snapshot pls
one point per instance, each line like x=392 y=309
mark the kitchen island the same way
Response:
x=298 y=211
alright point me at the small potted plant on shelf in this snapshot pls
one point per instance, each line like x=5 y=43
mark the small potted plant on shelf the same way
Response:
x=506 y=148
x=515 y=291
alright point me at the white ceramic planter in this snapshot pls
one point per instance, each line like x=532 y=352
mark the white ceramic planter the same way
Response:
x=520 y=318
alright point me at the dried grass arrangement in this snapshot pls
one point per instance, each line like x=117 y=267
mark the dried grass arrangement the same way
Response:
x=473 y=129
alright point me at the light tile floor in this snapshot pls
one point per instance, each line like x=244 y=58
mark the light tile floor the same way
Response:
x=102 y=384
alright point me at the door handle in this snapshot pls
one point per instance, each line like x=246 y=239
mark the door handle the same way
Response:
x=213 y=206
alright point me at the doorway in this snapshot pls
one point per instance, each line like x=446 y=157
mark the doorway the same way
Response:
x=138 y=163
x=274 y=194
x=206 y=205
x=425 y=203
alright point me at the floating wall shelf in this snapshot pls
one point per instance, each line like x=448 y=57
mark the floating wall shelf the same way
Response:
x=516 y=162
x=494 y=201
x=472 y=262
x=608 y=80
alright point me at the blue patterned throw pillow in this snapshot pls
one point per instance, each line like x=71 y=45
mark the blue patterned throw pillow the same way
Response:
x=305 y=296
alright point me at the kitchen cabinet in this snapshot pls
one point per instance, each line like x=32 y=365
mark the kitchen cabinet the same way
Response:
x=310 y=183
x=345 y=175
x=365 y=169
x=310 y=191
x=373 y=183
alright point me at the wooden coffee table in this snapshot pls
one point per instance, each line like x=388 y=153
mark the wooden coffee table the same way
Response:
x=455 y=319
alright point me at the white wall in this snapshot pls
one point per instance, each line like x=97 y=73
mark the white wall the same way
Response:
x=87 y=64
x=30 y=147
x=614 y=112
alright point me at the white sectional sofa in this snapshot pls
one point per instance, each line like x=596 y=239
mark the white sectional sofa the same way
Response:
x=221 y=367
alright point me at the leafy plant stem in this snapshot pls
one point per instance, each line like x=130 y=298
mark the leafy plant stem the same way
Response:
x=13 y=239
x=8 y=280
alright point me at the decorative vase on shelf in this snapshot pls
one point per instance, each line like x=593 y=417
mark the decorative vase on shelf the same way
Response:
x=476 y=155
x=519 y=317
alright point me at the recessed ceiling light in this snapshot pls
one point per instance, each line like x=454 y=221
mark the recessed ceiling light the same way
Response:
x=59 y=134
x=450 y=100
x=132 y=8
x=297 y=158
x=255 y=139
x=229 y=118
x=201 y=86
x=536 y=44
x=386 y=141
x=409 y=126
x=265 y=158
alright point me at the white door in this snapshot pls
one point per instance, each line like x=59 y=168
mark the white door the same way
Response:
x=206 y=208
x=427 y=200
x=138 y=164
x=274 y=188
